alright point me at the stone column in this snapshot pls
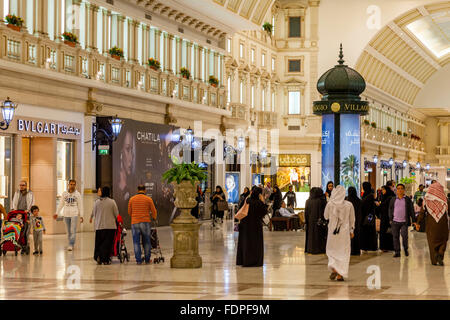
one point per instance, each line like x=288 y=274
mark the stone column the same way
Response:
x=206 y=59
x=198 y=62
x=178 y=52
x=130 y=38
x=75 y=17
x=216 y=65
x=168 y=52
x=120 y=31
x=89 y=173
x=145 y=43
x=57 y=18
x=91 y=26
x=157 y=44
x=135 y=41
x=189 y=58
x=40 y=21
x=106 y=32
x=21 y=10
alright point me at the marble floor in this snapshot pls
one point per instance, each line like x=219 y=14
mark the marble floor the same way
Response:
x=288 y=273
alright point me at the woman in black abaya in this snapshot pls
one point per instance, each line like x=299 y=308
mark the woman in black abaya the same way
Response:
x=386 y=240
x=368 y=236
x=250 y=248
x=316 y=237
x=356 y=202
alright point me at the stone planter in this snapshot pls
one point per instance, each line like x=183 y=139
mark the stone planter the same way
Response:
x=70 y=43
x=185 y=228
x=14 y=27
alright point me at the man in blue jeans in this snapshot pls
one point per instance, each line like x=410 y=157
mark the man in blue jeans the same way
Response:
x=139 y=208
x=401 y=214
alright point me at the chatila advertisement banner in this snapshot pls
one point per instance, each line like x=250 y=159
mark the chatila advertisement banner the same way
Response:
x=140 y=156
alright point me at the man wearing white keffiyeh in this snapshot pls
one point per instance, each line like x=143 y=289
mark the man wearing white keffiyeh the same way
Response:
x=436 y=204
x=341 y=216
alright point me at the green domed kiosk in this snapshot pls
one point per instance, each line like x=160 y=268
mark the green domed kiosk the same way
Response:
x=340 y=108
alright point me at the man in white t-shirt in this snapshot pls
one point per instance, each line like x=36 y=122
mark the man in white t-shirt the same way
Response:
x=70 y=208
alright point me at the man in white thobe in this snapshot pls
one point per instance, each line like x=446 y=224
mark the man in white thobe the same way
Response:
x=341 y=216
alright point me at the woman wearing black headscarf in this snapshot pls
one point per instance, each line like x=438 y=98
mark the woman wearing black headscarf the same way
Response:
x=277 y=198
x=250 y=248
x=386 y=240
x=368 y=236
x=329 y=190
x=217 y=196
x=356 y=202
x=243 y=196
x=316 y=236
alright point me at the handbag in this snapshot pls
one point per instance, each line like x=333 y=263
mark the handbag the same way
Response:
x=222 y=205
x=322 y=223
x=243 y=212
x=369 y=220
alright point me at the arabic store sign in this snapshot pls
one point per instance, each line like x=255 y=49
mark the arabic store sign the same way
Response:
x=49 y=128
x=294 y=160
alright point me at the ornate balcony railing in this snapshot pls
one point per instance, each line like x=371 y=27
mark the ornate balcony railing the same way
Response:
x=24 y=48
x=267 y=119
x=443 y=150
x=383 y=136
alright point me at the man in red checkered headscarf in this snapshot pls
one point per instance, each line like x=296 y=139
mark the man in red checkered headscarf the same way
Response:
x=436 y=204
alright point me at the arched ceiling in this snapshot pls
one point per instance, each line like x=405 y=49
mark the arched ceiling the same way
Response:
x=252 y=10
x=403 y=55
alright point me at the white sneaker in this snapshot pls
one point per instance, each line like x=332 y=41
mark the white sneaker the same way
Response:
x=69 y=248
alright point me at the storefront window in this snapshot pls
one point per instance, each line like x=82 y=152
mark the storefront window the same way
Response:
x=64 y=165
x=5 y=171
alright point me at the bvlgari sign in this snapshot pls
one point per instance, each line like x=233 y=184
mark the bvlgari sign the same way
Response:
x=46 y=128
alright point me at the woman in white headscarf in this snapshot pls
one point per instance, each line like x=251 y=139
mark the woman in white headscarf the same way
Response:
x=436 y=222
x=341 y=216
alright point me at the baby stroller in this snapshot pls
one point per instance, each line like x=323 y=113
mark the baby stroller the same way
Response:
x=154 y=241
x=14 y=236
x=119 y=248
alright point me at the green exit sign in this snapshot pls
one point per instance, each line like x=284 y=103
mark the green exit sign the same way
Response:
x=103 y=152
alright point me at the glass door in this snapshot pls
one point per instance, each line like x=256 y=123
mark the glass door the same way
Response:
x=5 y=171
x=64 y=165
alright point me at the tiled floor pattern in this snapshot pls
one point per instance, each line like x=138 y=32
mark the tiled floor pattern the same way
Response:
x=288 y=272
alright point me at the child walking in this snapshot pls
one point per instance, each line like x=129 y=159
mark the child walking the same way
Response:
x=38 y=227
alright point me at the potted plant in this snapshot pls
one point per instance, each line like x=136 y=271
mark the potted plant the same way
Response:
x=185 y=178
x=116 y=53
x=366 y=122
x=185 y=73
x=399 y=132
x=154 y=64
x=373 y=124
x=14 y=22
x=389 y=129
x=267 y=27
x=213 y=81
x=405 y=134
x=70 y=39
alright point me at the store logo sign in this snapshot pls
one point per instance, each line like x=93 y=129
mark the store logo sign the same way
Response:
x=294 y=160
x=44 y=127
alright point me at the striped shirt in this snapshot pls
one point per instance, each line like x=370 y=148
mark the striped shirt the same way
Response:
x=139 y=208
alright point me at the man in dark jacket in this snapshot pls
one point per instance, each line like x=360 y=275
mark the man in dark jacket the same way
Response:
x=401 y=214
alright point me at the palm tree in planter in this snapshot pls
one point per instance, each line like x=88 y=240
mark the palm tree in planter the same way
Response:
x=267 y=27
x=14 y=22
x=213 y=81
x=70 y=39
x=116 y=53
x=185 y=178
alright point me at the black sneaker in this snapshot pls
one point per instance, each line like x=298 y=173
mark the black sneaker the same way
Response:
x=397 y=255
x=406 y=253
x=35 y=253
x=440 y=260
x=40 y=252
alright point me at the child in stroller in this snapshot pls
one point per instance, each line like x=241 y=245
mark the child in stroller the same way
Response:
x=119 y=247
x=15 y=233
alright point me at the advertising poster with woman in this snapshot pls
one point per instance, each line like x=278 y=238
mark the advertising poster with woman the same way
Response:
x=141 y=156
x=232 y=186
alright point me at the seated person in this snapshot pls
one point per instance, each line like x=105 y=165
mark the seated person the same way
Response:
x=286 y=212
